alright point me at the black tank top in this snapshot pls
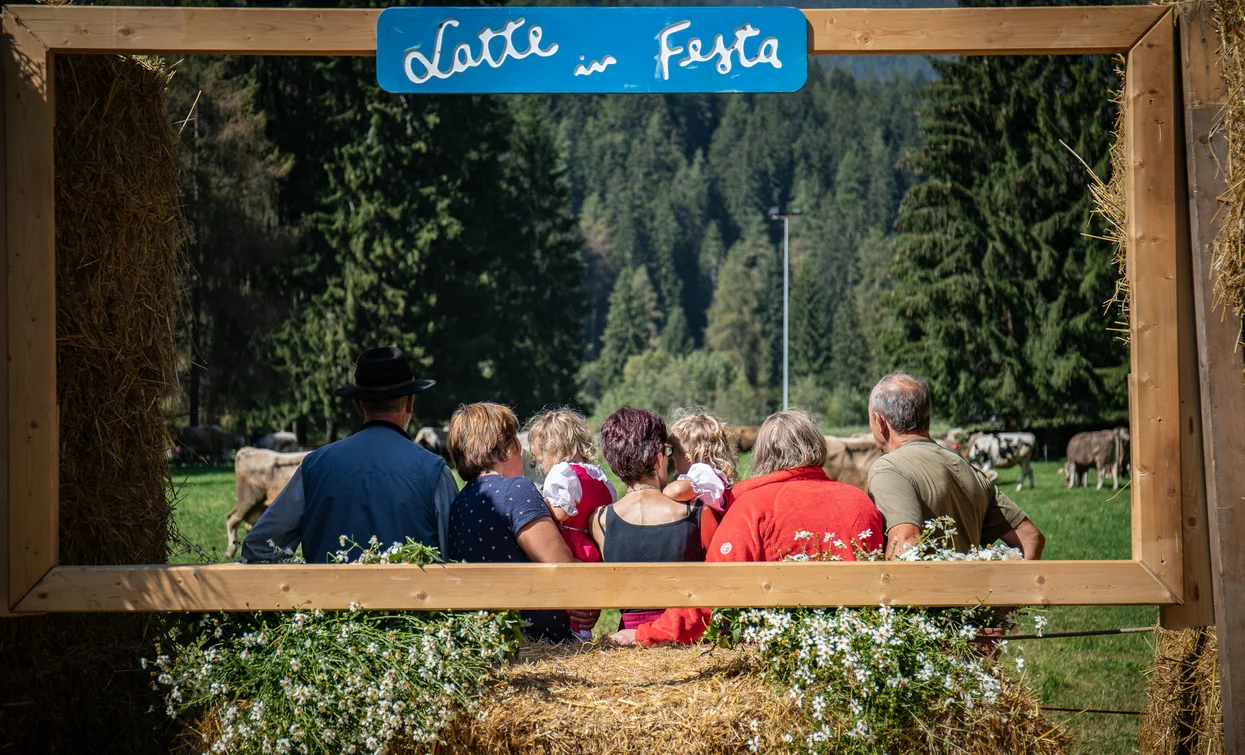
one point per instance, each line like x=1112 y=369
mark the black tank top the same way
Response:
x=673 y=541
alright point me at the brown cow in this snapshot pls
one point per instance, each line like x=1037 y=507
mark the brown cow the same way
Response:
x=1105 y=450
x=207 y=443
x=259 y=475
x=745 y=436
x=848 y=459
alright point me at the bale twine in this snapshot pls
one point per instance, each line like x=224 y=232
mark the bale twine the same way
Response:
x=72 y=683
x=606 y=700
x=1184 y=712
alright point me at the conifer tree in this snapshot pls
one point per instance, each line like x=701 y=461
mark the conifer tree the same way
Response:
x=632 y=326
x=811 y=352
x=998 y=293
x=736 y=326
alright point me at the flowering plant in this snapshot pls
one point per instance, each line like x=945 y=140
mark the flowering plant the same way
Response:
x=871 y=680
x=332 y=681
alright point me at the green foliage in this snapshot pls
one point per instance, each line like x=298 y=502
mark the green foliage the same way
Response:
x=633 y=324
x=997 y=294
x=664 y=382
x=331 y=681
x=735 y=326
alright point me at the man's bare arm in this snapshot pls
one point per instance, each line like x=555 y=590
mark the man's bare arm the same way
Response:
x=900 y=538
x=1028 y=538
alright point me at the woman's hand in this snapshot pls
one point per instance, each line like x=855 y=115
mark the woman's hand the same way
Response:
x=623 y=637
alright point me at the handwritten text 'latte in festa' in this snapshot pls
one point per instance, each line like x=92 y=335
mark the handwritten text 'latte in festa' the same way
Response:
x=464 y=59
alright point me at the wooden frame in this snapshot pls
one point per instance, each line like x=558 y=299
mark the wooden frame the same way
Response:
x=1155 y=575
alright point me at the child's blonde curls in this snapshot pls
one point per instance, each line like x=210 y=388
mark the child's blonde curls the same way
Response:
x=563 y=435
x=704 y=438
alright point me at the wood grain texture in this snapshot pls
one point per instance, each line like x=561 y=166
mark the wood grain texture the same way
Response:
x=237 y=587
x=1198 y=608
x=979 y=31
x=298 y=31
x=31 y=286
x=4 y=379
x=1154 y=215
x=1220 y=359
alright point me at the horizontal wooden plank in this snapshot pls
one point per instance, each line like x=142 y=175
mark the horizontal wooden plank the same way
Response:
x=1063 y=30
x=303 y=31
x=238 y=587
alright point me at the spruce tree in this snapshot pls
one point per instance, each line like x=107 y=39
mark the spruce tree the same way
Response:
x=632 y=326
x=998 y=291
x=736 y=327
x=811 y=352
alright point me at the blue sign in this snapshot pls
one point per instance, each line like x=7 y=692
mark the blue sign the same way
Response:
x=511 y=50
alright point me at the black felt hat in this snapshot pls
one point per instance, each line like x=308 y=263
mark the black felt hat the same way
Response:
x=383 y=373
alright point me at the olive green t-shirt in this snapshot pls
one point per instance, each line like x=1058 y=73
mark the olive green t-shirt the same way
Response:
x=921 y=480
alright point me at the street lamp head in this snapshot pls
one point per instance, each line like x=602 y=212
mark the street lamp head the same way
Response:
x=773 y=213
x=793 y=211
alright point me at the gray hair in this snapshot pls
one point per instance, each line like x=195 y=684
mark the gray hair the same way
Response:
x=788 y=440
x=903 y=401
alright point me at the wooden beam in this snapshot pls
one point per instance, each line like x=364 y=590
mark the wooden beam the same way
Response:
x=300 y=31
x=1221 y=359
x=1198 y=608
x=1151 y=115
x=4 y=375
x=237 y=587
x=980 y=31
x=30 y=237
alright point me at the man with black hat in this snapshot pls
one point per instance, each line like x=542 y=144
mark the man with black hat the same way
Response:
x=376 y=482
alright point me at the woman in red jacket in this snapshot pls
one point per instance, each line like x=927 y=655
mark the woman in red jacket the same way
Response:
x=789 y=509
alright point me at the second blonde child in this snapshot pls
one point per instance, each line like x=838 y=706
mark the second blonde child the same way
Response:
x=706 y=458
x=574 y=486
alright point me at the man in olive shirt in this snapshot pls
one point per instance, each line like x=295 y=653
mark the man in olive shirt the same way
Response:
x=918 y=480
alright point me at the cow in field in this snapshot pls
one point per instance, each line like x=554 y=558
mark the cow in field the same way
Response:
x=207 y=443
x=282 y=442
x=745 y=436
x=1105 y=450
x=988 y=451
x=259 y=475
x=848 y=459
x=436 y=440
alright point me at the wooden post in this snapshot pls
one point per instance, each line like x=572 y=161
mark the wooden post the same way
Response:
x=1220 y=360
x=30 y=241
x=4 y=372
x=1155 y=214
x=1198 y=607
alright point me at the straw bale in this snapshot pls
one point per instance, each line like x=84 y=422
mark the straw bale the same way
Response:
x=559 y=700
x=1184 y=712
x=1229 y=252
x=72 y=683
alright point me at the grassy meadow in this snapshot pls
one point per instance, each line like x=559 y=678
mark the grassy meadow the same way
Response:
x=1089 y=672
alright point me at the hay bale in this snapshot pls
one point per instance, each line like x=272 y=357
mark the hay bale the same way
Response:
x=1228 y=260
x=559 y=700
x=1184 y=710
x=72 y=683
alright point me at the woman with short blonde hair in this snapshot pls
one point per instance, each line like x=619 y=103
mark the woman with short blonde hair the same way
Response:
x=788 y=440
x=499 y=515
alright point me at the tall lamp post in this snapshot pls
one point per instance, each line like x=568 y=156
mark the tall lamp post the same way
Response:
x=774 y=214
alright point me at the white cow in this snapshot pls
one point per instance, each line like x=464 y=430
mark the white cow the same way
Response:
x=988 y=451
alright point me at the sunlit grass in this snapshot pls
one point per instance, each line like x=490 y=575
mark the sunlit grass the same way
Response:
x=1093 y=672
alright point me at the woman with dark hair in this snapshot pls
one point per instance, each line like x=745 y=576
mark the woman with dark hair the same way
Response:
x=645 y=525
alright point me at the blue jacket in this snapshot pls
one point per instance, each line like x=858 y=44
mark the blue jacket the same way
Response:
x=375 y=482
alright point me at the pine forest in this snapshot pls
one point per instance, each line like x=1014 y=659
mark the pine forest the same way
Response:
x=596 y=250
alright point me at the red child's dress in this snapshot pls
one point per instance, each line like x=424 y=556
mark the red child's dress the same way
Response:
x=579 y=489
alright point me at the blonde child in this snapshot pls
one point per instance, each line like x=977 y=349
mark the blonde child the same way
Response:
x=706 y=458
x=574 y=486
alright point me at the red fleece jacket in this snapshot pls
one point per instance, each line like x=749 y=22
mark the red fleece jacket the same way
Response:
x=761 y=525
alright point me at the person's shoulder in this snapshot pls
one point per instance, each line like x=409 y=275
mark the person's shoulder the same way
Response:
x=516 y=486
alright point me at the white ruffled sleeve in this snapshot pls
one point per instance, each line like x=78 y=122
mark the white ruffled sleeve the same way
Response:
x=599 y=475
x=707 y=484
x=562 y=488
